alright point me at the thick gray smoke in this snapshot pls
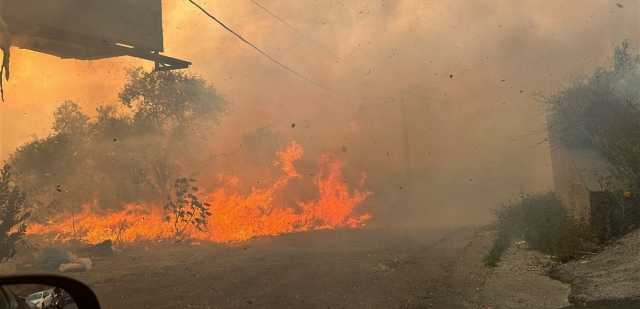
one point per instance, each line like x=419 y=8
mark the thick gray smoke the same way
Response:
x=436 y=101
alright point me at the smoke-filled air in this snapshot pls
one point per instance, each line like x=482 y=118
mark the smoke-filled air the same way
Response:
x=437 y=103
x=301 y=118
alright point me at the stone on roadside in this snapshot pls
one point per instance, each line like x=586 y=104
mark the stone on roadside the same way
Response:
x=71 y=267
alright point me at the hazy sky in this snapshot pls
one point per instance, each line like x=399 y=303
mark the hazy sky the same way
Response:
x=470 y=73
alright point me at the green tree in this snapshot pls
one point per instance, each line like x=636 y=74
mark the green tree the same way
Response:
x=12 y=214
x=119 y=157
x=602 y=112
x=179 y=107
x=69 y=119
x=174 y=97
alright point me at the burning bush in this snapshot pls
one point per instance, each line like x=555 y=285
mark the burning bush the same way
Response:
x=186 y=210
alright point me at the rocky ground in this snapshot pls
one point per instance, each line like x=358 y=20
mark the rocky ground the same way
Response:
x=610 y=275
x=608 y=279
x=521 y=281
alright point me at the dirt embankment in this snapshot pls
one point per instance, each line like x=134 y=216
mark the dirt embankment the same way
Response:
x=528 y=279
x=612 y=274
x=519 y=281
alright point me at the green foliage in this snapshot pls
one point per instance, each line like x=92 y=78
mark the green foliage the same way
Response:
x=613 y=215
x=128 y=153
x=12 y=215
x=69 y=119
x=500 y=245
x=185 y=209
x=603 y=112
x=169 y=97
x=544 y=224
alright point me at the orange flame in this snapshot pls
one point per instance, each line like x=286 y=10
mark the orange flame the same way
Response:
x=235 y=216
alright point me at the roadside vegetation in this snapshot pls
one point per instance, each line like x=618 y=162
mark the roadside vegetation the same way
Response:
x=133 y=151
x=601 y=113
x=13 y=214
x=541 y=221
x=137 y=150
x=186 y=209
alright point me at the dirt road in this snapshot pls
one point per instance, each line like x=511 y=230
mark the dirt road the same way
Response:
x=343 y=269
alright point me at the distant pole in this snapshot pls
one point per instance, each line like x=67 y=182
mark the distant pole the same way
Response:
x=407 y=156
x=73 y=222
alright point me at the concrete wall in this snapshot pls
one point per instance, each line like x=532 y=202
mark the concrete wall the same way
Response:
x=568 y=183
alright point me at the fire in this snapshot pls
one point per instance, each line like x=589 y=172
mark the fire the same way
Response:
x=132 y=223
x=236 y=216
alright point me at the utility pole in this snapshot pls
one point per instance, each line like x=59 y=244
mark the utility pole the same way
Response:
x=406 y=145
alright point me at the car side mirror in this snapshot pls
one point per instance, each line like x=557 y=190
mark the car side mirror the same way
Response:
x=45 y=292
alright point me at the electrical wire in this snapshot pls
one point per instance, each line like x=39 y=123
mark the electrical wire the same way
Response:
x=256 y=48
x=278 y=18
x=294 y=29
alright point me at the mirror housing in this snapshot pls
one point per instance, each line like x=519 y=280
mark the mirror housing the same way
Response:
x=83 y=296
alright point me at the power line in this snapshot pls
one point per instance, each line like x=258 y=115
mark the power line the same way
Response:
x=278 y=18
x=294 y=29
x=263 y=53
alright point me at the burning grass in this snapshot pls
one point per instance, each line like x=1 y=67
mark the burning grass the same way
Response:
x=236 y=215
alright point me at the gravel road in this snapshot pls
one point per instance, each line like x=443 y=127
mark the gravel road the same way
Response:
x=327 y=269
